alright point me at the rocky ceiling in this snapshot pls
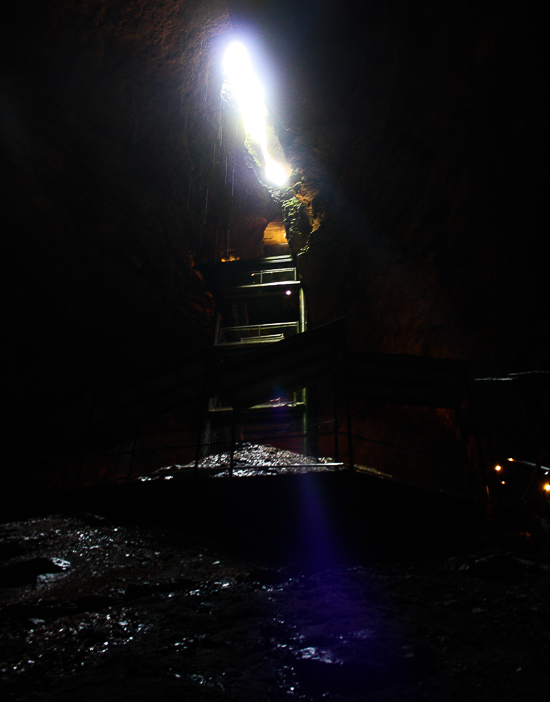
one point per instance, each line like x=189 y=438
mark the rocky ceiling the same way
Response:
x=414 y=130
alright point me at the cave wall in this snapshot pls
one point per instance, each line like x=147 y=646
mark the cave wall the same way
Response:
x=414 y=131
x=417 y=128
x=120 y=172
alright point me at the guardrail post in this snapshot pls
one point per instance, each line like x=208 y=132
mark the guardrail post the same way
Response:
x=232 y=447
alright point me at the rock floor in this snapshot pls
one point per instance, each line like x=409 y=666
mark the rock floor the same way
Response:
x=97 y=610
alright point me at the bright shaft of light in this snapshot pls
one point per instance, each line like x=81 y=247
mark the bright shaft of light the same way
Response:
x=249 y=94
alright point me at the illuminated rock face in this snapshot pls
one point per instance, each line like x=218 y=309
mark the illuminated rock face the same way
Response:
x=414 y=138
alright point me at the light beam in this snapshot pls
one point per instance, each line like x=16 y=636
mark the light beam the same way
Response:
x=245 y=87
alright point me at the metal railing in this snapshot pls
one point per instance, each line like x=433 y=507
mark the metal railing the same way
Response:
x=401 y=449
x=273 y=275
x=259 y=333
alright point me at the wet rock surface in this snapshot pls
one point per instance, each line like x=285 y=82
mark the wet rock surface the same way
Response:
x=250 y=460
x=135 y=612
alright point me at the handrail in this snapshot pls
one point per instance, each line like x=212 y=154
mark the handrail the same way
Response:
x=256 y=332
x=270 y=325
x=274 y=271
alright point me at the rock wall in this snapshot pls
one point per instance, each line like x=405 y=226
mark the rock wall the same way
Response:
x=120 y=171
x=418 y=131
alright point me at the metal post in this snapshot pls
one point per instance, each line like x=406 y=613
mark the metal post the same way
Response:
x=232 y=447
x=203 y=415
x=133 y=454
x=465 y=450
x=335 y=410
x=343 y=361
x=533 y=443
x=350 y=435
x=303 y=318
x=306 y=449
x=199 y=447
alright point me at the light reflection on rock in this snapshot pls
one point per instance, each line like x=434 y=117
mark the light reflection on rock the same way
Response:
x=250 y=460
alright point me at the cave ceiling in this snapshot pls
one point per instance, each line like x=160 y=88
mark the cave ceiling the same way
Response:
x=415 y=135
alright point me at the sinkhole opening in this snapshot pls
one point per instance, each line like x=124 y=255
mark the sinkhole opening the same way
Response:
x=242 y=85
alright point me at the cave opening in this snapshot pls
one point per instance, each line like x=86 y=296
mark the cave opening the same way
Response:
x=243 y=88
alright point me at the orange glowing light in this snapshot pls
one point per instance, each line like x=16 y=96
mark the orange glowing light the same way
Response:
x=547 y=487
x=498 y=468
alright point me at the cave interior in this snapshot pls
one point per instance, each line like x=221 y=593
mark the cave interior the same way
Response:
x=156 y=287
x=412 y=210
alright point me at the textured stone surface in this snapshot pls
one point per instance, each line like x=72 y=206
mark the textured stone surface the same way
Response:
x=155 y=613
x=421 y=126
x=120 y=172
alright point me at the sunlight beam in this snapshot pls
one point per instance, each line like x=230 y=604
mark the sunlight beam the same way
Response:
x=242 y=83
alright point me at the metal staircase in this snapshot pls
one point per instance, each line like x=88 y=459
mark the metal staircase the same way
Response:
x=258 y=302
